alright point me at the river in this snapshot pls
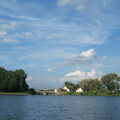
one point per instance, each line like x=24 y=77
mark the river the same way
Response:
x=59 y=108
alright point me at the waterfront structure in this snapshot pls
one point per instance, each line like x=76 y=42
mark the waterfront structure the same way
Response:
x=79 y=90
x=55 y=90
x=64 y=88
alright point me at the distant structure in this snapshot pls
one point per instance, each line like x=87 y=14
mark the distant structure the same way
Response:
x=55 y=90
x=79 y=90
x=64 y=88
x=46 y=90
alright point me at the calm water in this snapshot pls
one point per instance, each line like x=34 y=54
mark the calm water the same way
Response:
x=59 y=108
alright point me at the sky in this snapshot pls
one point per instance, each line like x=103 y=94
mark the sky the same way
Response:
x=60 y=40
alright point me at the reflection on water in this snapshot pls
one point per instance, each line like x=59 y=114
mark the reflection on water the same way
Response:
x=59 y=108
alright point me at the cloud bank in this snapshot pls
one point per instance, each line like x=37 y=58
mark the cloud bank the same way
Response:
x=78 y=75
x=84 y=57
x=75 y=4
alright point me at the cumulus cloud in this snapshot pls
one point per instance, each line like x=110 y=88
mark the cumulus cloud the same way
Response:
x=83 y=57
x=10 y=40
x=76 y=4
x=80 y=75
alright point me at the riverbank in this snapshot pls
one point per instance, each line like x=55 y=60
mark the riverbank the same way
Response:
x=14 y=93
x=89 y=94
x=63 y=94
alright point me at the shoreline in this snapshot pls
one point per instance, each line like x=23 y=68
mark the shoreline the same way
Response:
x=14 y=93
x=25 y=94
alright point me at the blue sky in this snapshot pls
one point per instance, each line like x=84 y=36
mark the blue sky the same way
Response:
x=60 y=40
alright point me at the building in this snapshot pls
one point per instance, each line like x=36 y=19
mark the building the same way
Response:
x=64 y=88
x=79 y=90
x=55 y=90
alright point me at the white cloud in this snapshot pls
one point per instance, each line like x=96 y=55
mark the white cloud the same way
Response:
x=28 y=66
x=26 y=18
x=65 y=32
x=10 y=40
x=99 y=65
x=79 y=75
x=64 y=2
x=57 y=31
x=73 y=34
x=49 y=70
x=3 y=33
x=10 y=52
x=88 y=55
x=29 y=79
x=28 y=35
x=76 y=4
x=83 y=57
x=76 y=73
x=6 y=36
x=9 y=26
x=22 y=35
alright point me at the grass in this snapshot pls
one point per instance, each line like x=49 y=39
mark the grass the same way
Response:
x=90 y=93
x=14 y=93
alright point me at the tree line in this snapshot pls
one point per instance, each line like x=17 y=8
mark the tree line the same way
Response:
x=108 y=83
x=13 y=81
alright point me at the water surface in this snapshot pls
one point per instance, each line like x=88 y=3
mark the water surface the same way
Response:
x=59 y=108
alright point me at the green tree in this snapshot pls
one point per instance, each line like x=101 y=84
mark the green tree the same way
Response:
x=71 y=86
x=111 y=81
x=3 y=80
x=90 y=84
x=21 y=79
x=13 y=81
x=32 y=91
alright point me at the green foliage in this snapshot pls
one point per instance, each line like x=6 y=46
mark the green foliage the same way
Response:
x=88 y=93
x=109 y=85
x=13 y=81
x=111 y=81
x=71 y=86
x=91 y=84
x=66 y=93
x=32 y=91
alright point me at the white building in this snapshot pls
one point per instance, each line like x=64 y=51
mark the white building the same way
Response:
x=65 y=88
x=79 y=90
x=55 y=90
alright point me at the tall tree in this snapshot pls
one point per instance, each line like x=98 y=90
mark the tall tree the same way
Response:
x=13 y=81
x=90 y=84
x=111 y=81
x=71 y=86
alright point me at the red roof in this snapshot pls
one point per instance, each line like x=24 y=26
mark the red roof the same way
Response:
x=62 y=87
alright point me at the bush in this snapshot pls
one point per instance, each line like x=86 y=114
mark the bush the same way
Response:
x=32 y=91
